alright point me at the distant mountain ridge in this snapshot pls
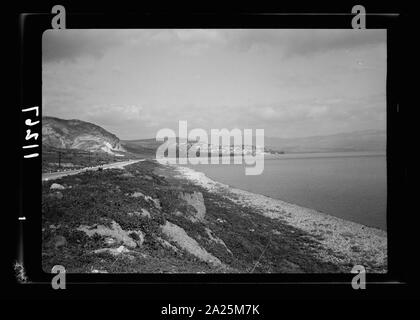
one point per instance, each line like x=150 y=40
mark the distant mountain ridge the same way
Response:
x=357 y=141
x=366 y=140
x=78 y=134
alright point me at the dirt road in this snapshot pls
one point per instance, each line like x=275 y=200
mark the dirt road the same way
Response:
x=57 y=175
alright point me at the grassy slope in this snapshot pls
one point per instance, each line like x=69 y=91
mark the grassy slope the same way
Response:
x=102 y=196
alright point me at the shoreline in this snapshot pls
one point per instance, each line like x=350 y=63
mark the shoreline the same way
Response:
x=344 y=242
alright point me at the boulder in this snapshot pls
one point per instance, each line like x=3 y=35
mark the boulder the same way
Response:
x=57 y=186
x=144 y=213
x=182 y=239
x=110 y=241
x=99 y=271
x=115 y=231
x=59 y=241
x=127 y=175
x=196 y=200
x=138 y=237
x=113 y=251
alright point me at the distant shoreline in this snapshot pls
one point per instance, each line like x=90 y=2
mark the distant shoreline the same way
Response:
x=306 y=155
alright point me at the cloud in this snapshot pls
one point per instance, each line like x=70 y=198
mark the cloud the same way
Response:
x=328 y=110
x=68 y=44
x=59 y=45
x=115 y=113
x=150 y=79
x=305 y=41
x=316 y=41
x=195 y=35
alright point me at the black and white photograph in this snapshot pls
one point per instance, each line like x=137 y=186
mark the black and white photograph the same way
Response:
x=211 y=161
x=203 y=151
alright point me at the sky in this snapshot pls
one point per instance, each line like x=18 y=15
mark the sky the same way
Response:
x=291 y=83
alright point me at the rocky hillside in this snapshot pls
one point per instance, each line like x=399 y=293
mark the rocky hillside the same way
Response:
x=150 y=218
x=77 y=134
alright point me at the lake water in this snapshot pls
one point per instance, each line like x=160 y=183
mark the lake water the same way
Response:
x=351 y=186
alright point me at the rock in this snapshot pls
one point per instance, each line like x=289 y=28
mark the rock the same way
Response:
x=110 y=241
x=115 y=232
x=99 y=271
x=166 y=244
x=157 y=204
x=182 y=239
x=217 y=240
x=59 y=241
x=138 y=237
x=196 y=200
x=137 y=195
x=113 y=251
x=57 y=186
x=121 y=249
x=127 y=175
x=143 y=213
x=178 y=213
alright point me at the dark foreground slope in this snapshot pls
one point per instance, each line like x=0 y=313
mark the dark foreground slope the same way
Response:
x=147 y=219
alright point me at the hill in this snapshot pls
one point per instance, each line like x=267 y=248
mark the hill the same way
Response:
x=77 y=134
